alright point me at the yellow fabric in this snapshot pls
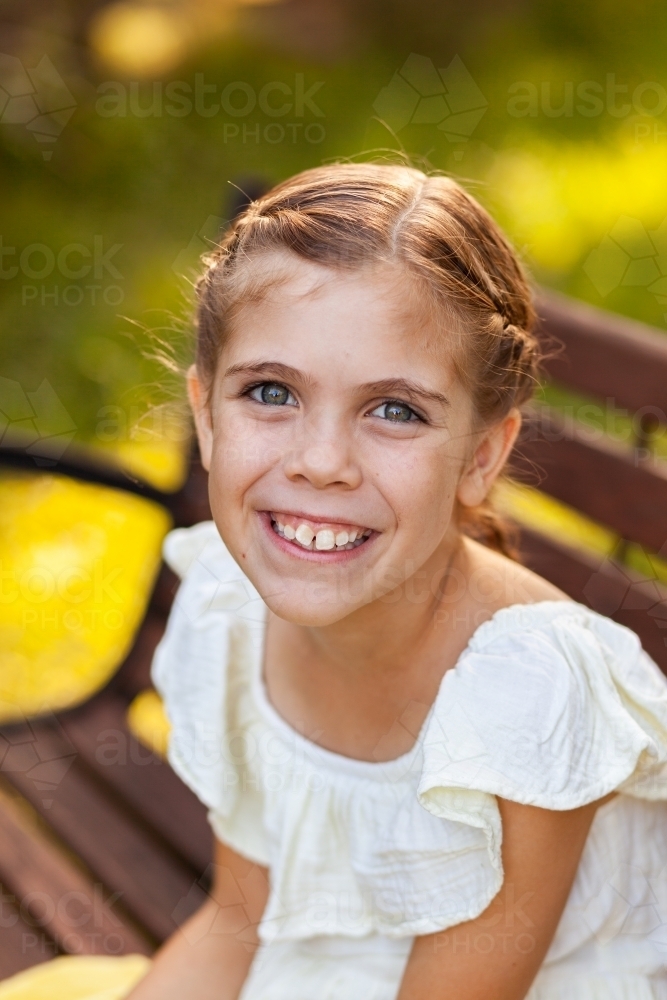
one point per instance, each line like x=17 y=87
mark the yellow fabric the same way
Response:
x=78 y=564
x=148 y=721
x=77 y=977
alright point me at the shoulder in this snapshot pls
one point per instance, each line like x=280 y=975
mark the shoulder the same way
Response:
x=500 y=581
x=551 y=705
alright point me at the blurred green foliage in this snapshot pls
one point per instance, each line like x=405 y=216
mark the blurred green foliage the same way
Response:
x=148 y=181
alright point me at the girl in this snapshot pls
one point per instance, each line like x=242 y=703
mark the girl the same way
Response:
x=430 y=774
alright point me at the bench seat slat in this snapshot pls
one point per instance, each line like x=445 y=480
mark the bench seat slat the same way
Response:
x=21 y=944
x=70 y=907
x=112 y=841
x=141 y=778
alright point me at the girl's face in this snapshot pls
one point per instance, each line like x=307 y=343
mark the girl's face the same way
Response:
x=337 y=441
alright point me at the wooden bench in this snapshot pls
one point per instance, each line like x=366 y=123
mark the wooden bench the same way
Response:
x=104 y=851
x=619 y=365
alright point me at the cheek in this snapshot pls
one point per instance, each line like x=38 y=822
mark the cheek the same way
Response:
x=420 y=486
x=241 y=454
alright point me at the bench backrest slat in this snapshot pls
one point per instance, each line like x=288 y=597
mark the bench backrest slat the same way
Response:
x=606 y=356
x=588 y=472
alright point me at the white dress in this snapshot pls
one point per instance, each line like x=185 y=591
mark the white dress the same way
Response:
x=551 y=704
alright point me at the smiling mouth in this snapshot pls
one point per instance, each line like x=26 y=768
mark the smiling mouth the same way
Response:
x=329 y=537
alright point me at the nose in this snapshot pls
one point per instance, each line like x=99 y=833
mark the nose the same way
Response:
x=323 y=458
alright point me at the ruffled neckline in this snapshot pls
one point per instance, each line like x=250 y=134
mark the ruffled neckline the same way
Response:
x=202 y=542
x=504 y=620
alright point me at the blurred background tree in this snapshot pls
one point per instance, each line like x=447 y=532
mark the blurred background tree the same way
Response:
x=127 y=128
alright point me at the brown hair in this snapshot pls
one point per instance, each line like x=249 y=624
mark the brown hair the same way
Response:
x=347 y=215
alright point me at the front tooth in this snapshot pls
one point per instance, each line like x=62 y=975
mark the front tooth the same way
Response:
x=324 y=539
x=352 y=536
x=342 y=538
x=289 y=532
x=304 y=535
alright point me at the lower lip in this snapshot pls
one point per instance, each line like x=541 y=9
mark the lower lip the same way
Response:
x=312 y=555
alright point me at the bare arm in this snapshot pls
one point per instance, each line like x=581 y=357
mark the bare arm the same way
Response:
x=499 y=953
x=210 y=955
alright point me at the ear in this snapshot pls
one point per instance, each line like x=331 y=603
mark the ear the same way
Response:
x=202 y=415
x=488 y=459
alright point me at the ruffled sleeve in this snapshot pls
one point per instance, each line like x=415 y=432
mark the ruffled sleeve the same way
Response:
x=551 y=705
x=202 y=668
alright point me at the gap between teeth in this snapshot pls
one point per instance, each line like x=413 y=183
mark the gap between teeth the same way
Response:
x=323 y=540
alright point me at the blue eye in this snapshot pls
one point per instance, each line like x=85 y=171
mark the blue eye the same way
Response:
x=273 y=394
x=395 y=412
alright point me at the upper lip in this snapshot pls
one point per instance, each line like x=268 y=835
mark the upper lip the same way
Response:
x=318 y=518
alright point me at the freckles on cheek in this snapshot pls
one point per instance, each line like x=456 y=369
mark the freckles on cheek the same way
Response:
x=431 y=488
x=238 y=470
x=238 y=462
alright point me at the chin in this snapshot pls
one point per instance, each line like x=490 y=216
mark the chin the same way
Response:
x=307 y=612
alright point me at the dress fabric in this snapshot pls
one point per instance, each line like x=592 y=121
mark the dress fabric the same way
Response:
x=551 y=704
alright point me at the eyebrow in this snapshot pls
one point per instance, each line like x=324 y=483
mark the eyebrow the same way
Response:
x=266 y=368
x=385 y=387
x=404 y=387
